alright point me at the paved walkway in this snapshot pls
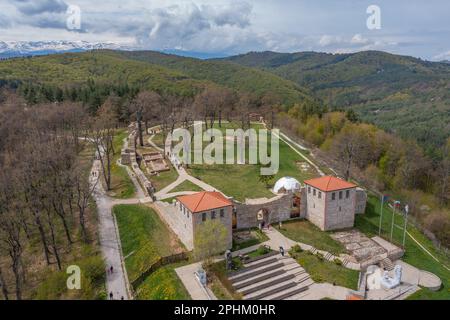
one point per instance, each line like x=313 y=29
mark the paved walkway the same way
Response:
x=117 y=283
x=190 y=282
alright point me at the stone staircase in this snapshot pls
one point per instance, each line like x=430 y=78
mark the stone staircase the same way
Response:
x=270 y=277
x=387 y=264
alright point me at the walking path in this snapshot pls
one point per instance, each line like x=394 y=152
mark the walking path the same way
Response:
x=110 y=244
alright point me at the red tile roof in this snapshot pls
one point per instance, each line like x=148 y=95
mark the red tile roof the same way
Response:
x=329 y=183
x=204 y=201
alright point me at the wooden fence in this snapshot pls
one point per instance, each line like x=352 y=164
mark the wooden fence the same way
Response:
x=161 y=262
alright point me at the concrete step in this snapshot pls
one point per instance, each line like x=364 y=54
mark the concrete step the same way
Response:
x=254 y=266
x=287 y=293
x=294 y=270
x=258 y=271
x=264 y=285
x=259 y=295
x=245 y=283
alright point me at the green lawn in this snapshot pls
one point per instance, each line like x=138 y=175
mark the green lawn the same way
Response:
x=121 y=184
x=257 y=236
x=186 y=186
x=243 y=181
x=322 y=270
x=163 y=179
x=369 y=222
x=163 y=284
x=305 y=232
x=144 y=238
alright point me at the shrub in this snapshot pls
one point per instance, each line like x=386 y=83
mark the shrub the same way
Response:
x=338 y=261
x=319 y=256
x=297 y=249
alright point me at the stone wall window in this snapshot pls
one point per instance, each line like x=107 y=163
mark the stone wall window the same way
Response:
x=314 y=192
x=320 y=195
x=309 y=189
x=204 y=216
x=333 y=196
x=340 y=195
x=213 y=214
x=222 y=213
x=347 y=194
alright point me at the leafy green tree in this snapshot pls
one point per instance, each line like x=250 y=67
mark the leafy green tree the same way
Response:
x=211 y=238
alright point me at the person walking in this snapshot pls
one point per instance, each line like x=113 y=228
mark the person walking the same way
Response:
x=111 y=296
x=111 y=269
x=282 y=251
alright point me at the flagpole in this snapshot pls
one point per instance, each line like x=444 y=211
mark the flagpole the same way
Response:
x=381 y=214
x=393 y=218
x=406 y=223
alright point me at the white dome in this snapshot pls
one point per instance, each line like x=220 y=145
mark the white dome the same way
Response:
x=286 y=183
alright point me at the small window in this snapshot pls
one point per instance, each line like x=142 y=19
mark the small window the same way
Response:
x=213 y=214
x=340 y=195
x=320 y=195
x=222 y=213
x=347 y=194
x=184 y=210
x=309 y=189
x=333 y=196
x=314 y=192
x=340 y=209
x=187 y=211
x=204 y=216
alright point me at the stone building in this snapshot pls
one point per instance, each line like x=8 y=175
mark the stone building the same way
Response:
x=328 y=202
x=331 y=203
x=197 y=208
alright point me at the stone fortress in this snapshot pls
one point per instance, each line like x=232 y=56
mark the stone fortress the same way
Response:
x=328 y=202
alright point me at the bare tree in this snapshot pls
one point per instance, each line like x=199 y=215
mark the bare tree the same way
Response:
x=102 y=135
x=3 y=286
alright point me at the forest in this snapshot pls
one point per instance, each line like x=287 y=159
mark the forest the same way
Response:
x=56 y=112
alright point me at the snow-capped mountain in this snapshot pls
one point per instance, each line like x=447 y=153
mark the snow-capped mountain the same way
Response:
x=9 y=49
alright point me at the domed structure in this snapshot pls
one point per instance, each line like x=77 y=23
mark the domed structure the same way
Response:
x=286 y=184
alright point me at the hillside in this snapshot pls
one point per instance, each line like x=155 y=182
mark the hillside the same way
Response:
x=402 y=94
x=225 y=73
x=151 y=70
x=76 y=68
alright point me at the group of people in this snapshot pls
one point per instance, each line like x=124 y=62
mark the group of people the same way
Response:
x=110 y=271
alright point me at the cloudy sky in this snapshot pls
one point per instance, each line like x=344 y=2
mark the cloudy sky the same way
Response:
x=413 y=27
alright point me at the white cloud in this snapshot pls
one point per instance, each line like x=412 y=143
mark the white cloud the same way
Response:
x=359 y=39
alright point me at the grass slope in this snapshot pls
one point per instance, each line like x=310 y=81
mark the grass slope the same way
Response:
x=144 y=237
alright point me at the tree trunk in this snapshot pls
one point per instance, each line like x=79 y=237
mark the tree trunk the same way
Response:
x=3 y=286
x=53 y=238
x=139 y=121
x=43 y=238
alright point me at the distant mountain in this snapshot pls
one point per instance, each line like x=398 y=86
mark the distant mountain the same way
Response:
x=401 y=94
x=37 y=48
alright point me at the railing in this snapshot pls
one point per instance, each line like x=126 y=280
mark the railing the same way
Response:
x=158 y=264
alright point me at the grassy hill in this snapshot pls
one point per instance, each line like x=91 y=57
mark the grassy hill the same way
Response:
x=103 y=67
x=237 y=77
x=398 y=93
x=151 y=70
